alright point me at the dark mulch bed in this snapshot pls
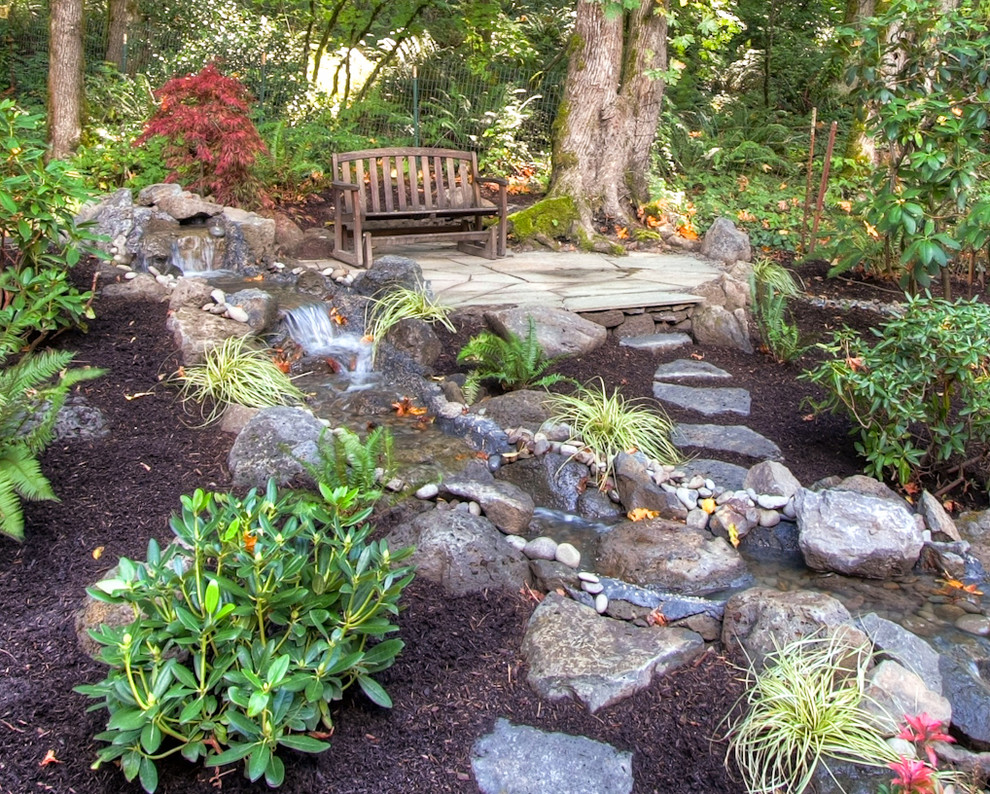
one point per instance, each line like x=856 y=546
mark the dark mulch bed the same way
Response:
x=461 y=668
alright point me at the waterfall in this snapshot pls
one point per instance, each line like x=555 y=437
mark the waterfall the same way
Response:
x=312 y=328
x=194 y=252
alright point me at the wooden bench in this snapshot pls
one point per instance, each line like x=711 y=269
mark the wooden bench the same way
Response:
x=413 y=195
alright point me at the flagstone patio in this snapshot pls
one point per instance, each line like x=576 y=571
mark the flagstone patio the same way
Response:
x=571 y=280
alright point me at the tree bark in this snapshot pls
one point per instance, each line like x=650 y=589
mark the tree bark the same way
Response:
x=65 y=71
x=607 y=120
x=118 y=17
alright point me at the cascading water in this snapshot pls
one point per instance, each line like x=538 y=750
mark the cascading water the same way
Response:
x=194 y=252
x=311 y=327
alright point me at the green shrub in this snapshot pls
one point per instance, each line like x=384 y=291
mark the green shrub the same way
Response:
x=803 y=709
x=39 y=241
x=608 y=425
x=233 y=372
x=513 y=362
x=245 y=631
x=918 y=399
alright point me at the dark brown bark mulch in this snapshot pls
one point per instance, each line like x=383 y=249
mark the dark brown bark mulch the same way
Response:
x=461 y=668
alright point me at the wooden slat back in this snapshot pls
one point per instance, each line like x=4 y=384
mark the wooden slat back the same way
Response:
x=408 y=179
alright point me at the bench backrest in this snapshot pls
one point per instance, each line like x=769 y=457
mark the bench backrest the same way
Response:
x=398 y=180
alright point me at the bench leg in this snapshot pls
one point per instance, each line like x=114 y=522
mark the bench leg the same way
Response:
x=366 y=245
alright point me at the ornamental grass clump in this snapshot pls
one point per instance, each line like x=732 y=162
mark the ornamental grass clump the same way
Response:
x=610 y=424
x=246 y=630
x=803 y=710
x=233 y=372
x=389 y=308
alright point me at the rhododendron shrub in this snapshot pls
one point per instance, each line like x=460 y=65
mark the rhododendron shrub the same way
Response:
x=211 y=144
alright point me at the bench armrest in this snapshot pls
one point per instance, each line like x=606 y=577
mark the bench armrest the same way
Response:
x=343 y=186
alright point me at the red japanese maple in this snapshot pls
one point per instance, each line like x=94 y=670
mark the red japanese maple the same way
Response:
x=210 y=141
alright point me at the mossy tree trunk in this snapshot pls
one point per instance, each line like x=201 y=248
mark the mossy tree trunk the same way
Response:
x=607 y=120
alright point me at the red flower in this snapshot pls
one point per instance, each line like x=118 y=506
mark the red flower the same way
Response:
x=923 y=730
x=913 y=777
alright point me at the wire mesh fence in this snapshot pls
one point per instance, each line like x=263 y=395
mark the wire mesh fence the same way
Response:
x=427 y=97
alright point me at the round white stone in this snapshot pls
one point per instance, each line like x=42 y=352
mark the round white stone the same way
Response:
x=568 y=555
x=601 y=603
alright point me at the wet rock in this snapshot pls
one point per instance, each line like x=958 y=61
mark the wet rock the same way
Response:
x=974 y=624
x=667 y=555
x=417 y=339
x=551 y=480
x=506 y=505
x=462 y=553
x=550 y=575
x=736 y=515
x=272 y=444
x=762 y=620
x=559 y=332
x=516 y=759
x=573 y=652
x=974 y=527
x=259 y=308
x=541 y=548
x=965 y=672
x=856 y=534
x=910 y=651
x=893 y=691
x=637 y=488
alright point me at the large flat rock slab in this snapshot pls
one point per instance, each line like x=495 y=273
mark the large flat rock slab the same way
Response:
x=726 y=438
x=657 y=343
x=704 y=400
x=572 y=651
x=518 y=759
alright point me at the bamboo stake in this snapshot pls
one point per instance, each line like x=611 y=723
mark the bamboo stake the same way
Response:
x=823 y=186
x=807 y=187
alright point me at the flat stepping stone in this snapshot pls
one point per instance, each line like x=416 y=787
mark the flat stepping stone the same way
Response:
x=706 y=400
x=688 y=369
x=518 y=759
x=727 y=475
x=726 y=438
x=657 y=343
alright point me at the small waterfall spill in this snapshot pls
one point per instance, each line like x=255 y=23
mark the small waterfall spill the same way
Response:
x=194 y=252
x=311 y=327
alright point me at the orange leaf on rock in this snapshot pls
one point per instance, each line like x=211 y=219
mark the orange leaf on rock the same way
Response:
x=641 y=513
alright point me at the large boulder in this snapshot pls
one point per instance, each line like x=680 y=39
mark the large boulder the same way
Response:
x=250 y=238
x=762 y=620
x=552 y=480
x=389 y=272
x=196 y=331
x=719 y=327
x=771 y=477
x=893 y=691
x=664 y=554
x=522 y=408
x=559 y=332
x=725 y=243
x=186 y=206
x=462 y=553
x=417 y=339
x=892 y=641
x=855 y=534
x=974 y=527
x=572 y=651
x=272 y=444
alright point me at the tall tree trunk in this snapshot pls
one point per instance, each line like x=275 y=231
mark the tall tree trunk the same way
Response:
x=65 y=72
x=607 y=120
x=118 y=17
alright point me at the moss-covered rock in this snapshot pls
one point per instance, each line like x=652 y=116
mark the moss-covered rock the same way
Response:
x=547 y=220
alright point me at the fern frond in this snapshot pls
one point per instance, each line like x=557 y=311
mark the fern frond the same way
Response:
x=11 y=515
x=23 y=470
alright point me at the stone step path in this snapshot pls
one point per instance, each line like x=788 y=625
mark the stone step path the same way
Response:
x=710 y=400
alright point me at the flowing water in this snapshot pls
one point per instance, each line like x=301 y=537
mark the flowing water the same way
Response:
x=195 y=251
